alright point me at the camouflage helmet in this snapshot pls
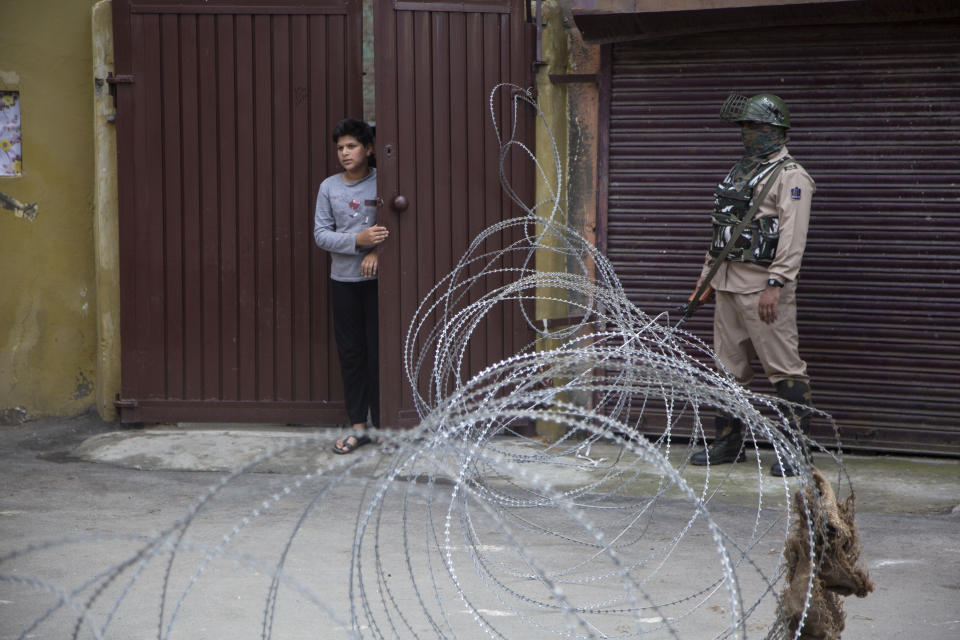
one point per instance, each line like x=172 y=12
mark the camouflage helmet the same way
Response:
x=763 y=107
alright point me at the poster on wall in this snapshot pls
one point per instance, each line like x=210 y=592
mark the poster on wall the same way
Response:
x=11 y=159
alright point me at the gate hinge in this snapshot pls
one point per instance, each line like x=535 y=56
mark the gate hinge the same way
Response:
x=121 y=79
x=113 y=81
x=125 y=403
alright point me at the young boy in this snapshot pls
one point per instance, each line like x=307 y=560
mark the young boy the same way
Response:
x=345 y=226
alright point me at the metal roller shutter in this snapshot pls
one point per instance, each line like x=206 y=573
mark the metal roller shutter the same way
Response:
x=876 y=121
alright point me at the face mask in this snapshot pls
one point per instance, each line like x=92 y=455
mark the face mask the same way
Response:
x=762 y=139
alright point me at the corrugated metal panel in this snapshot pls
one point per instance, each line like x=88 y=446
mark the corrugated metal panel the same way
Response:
x=223 y=140
x=436 y=65
x=876 y=115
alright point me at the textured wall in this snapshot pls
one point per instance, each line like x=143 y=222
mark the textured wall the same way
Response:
x=48 y=334
x=105 y=215
x=570 y=109
x=369 y=75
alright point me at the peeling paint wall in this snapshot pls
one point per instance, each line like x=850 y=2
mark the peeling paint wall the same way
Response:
x=552 y=130
x=369 y=74
x=570 y=110
x=48 y=333
x=582 y=131
x=105 y=215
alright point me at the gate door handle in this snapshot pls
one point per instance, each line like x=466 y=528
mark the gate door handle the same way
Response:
x=400 y=204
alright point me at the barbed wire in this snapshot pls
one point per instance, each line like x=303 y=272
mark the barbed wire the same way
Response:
x=466 y=527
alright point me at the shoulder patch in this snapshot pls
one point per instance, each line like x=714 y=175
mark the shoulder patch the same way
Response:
x=795 y=193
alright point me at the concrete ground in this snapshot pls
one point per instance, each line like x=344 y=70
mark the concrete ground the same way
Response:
x=84 y=500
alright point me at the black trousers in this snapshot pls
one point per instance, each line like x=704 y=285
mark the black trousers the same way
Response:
x=358 y=345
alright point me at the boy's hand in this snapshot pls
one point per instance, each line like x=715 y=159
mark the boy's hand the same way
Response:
x=368 y=266
x=372 y=236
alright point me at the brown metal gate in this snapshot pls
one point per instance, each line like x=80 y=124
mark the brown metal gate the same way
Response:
x=436 y=63
x=876 y=114
x=224 y=112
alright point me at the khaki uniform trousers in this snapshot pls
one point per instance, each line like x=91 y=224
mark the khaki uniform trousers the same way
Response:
x=739 y=335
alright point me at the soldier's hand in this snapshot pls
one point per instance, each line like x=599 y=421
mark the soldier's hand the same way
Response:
x=769 y=301
x=686 y=309
x=690 y=306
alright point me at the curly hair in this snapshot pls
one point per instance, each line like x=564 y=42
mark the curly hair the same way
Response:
x=359 y=129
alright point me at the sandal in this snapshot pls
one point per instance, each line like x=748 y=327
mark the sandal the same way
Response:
x=349 y=447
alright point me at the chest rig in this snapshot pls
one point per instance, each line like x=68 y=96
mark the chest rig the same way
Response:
x=757 y=243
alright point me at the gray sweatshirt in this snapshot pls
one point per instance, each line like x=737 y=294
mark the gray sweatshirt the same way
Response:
x=342 y=212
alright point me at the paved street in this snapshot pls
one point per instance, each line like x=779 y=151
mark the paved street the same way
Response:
x=83 y=500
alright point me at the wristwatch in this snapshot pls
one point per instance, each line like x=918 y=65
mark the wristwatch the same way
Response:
x=774 y=283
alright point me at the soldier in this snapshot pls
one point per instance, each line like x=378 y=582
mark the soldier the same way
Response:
x=754 y=273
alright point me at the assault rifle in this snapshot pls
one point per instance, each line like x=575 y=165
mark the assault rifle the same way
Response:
x=688 y=308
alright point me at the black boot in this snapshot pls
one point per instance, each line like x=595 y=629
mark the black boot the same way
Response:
x=726 y=447
x=798 y=393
